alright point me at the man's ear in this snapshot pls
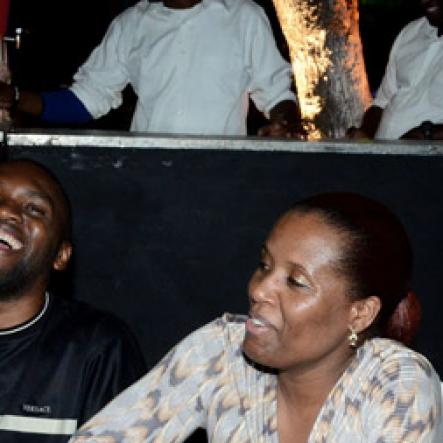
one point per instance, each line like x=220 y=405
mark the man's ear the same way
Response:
x=63 y=255
x=363 y=313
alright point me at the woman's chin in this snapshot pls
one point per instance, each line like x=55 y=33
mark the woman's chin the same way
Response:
x=256 y=353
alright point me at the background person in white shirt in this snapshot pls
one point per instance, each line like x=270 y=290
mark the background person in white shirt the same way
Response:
x=409 y=102
x=193 y=65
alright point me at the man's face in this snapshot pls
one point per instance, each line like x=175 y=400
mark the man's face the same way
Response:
x=31 y=219
x=434 y=12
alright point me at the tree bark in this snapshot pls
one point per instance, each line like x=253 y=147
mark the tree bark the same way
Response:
x=327 y=57
x=5 y=77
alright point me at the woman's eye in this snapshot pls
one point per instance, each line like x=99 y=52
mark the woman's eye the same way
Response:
x=297 y=282
x=264 y=266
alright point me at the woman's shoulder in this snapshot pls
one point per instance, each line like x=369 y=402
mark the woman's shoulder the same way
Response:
x=224 y=331
x=399 y=393
x=388 y=351
x=230 y=327
x=225 y=321
x=390 y=361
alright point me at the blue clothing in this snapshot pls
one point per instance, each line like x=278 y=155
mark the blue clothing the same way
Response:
x=63 y=106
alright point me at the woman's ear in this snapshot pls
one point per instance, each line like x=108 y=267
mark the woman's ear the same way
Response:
x=63 y=255
x=363 y=313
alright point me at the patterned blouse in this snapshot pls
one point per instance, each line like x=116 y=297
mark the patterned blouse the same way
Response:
x=388 y=394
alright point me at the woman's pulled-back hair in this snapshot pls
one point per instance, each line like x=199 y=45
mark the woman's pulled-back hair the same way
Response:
x=377 y=258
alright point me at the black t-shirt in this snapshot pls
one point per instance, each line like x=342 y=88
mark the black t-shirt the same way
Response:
x=60 y=370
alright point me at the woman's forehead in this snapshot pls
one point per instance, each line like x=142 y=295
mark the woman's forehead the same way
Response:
x=305 y=236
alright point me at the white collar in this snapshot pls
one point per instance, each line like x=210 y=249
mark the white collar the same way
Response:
x=227 y=4
x=431 y=31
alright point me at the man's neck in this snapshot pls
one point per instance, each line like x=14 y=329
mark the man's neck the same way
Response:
x=438 y=27
x=21 y=309
x=180 y=4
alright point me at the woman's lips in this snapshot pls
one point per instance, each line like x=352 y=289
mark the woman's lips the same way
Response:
x=257 y=324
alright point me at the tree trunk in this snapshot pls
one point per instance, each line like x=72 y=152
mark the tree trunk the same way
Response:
x=327 y=58
x=5 y=76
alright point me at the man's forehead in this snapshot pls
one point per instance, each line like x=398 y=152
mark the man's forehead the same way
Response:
x=32 y=176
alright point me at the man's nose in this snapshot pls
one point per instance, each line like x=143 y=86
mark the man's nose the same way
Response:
x=10 y=211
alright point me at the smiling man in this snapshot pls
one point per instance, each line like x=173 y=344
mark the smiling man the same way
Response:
x=409 y=102
x=60 y=360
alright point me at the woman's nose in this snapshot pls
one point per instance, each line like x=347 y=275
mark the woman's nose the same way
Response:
x=263 y=288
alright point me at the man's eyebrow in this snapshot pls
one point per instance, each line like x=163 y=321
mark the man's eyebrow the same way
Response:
x=38 y=194
x=42 y=196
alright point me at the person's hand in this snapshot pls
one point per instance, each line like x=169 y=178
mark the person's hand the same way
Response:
x=426 y=131
x=7 y=96
x=413 y=134
x=354 y=133
x=418 y=133
x=283 y=129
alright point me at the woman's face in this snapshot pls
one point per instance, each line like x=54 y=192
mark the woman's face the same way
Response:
x=299 y=310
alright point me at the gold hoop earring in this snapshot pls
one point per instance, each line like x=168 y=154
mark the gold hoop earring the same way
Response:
x=353 y=338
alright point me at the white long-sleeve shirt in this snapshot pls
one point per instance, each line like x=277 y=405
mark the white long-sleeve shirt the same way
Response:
x=412 y=89
x=192 y=69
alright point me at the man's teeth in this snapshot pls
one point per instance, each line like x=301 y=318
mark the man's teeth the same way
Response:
x=10 y=241
x=257 y=322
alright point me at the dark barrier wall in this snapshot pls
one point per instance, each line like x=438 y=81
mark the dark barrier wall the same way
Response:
x=166 y=236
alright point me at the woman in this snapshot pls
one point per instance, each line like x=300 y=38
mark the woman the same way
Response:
x=314 y=361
